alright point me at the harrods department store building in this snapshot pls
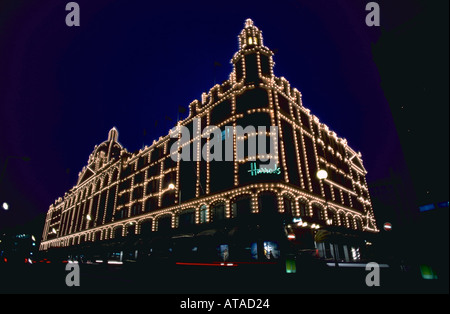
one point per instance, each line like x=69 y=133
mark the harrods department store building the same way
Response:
x=143 y=204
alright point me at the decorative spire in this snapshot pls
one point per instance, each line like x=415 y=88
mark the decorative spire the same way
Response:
x=250 y=36
x=113 y=135
x=248 y=23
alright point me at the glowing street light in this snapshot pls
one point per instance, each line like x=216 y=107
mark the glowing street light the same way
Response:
x=5 y=206
x=171 y=186
x=88 y=217
x=322 y=174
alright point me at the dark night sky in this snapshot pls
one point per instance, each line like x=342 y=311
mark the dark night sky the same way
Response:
x=132 y=63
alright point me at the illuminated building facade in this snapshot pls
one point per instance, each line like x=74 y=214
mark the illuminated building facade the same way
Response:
x=226 y=210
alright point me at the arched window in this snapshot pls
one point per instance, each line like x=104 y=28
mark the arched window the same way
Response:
x=332 y=217
x=146 y=227
x=288 y=204
x=350 y=222
x=241 y=206
x=203 y=214
x=97 y=236
x=130 y=230
x=317 y=212
x=267 y=203
x=186 y=218
x=164 y=223
x=118 y=232
x=358 y=223
x=218 y=211
x=303 y=209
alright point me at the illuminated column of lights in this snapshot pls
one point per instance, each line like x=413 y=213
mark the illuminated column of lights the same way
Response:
x=80 y=219
x=322 y=186
x=71 y=213
x=228 y=208
x=305 y=157
x=107 y=189
x=208 y=152
x=197 y=139
x=68 y=215
x=177 y=174
x=208 y=213
x=119 y=170
x=280 y=134
x=297 y=156
x=236 y=164
x=75 y=213
x=255 y=203
x=161 y=174
x=197 y=214
x=281 y=208
x=273 y=120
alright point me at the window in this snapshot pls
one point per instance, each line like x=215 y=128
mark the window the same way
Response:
x=136 y=209
x=187 y=218
x=241 y=207
x=130 y=230
x=203 y=214
x=152 y=187
x=218 y=212
x=265 y=65
x=317 y=213
x=164 y=223
x=223 y=252
x=118 y=232
x=138 y=193
x=267 y=203
x=146 y=227
x=168 y=198
x=288 y=206
x=350 y=222
x=271 y=250
x=358 y=224
x=331 y=216
x=139 y=178
x=151 y=204
x=303 y=209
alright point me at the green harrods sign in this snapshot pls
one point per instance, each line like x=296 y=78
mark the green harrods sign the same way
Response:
x=254 y=170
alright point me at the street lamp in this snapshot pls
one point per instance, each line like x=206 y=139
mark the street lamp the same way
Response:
x=322 y=174
x=172 y=187
x=5 y=206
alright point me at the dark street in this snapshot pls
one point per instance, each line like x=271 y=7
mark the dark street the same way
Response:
x=134 y=278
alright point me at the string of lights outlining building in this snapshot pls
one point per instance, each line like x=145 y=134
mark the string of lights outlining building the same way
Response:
x=120 y=194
